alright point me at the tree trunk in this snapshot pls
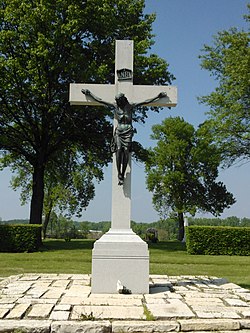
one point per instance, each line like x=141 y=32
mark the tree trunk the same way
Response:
x=36 y=207
x=181 y=226
x=46 y=221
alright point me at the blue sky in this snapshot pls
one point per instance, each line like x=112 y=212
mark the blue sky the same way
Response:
x=181 y=29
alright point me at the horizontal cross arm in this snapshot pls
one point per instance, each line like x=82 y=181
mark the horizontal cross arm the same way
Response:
x=107 y=92
x=142 y=93
x=104 y=91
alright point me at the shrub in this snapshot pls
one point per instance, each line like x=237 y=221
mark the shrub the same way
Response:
x=20 y=237
x=218 y=240
x=152 y=235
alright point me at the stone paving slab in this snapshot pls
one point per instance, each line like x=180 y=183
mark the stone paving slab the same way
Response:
x=107 y=312
x=173 y=308
x=46 y=303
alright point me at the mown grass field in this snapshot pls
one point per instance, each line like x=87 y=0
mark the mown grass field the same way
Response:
x=170 y=258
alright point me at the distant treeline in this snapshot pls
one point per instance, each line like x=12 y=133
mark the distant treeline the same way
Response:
x=232 y=221
x=17 y=221
x=167 y=229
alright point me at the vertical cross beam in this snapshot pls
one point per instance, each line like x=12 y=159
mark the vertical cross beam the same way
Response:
x=121 y=195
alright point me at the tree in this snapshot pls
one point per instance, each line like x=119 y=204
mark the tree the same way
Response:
x=181 y=172
x=229 y=116
x=43 y=47
x=68 y=185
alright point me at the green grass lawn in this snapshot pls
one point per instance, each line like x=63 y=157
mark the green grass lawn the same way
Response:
x=170 y=258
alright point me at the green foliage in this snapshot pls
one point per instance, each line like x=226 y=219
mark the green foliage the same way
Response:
x=15 y=221
x=231 y=221
x=20 y=238
x=62 y=227
x=68 y=184
x=151 y=237
x=44 y=46
x=218 y=240
x=104 y=226
x=229 y=117
x=88 y=316
x=147 y=313
x=167 y=229
x=181 y=172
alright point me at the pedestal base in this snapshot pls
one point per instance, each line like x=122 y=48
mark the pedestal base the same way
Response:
x=120 y=255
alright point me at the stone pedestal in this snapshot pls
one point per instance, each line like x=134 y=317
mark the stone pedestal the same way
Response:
x=120 y=255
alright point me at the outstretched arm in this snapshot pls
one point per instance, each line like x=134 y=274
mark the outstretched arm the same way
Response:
x=87 y=92
x=147 y=101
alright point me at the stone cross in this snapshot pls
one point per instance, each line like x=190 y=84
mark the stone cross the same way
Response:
x=121 y=195
x=135 y=93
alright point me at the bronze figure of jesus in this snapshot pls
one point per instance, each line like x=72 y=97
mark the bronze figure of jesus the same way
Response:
x=123 y=133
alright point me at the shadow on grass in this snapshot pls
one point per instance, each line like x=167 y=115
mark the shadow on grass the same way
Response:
x=168 y=246
x=60 y=244
x=81 y=244
x=244 y=285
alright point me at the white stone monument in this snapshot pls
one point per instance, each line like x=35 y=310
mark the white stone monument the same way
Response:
x=120 y=258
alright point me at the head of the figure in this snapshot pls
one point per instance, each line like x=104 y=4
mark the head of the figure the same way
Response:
x=121 y=100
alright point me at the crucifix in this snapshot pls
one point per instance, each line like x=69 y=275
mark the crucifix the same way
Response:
x=120 y=255
x=123 y=133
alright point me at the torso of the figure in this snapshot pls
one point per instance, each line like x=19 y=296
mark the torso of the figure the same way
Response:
x=124 y=117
